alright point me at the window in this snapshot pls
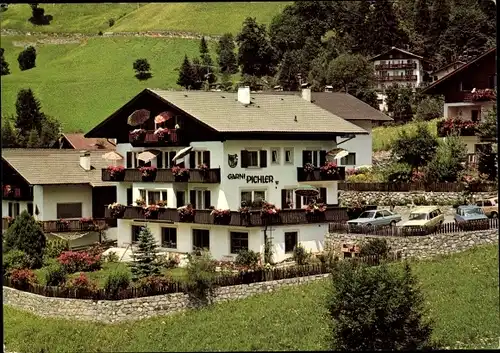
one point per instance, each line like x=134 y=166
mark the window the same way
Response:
x=181 y=198
x=167 y=161
x=350 y=159
x=238 y=241
x=253 y=158
x=201 y=239
x=275 y=156
x=288 y=155
x=30 y=208
x=290 y=241
x=385 y=213
x=474 y=114
x=136 y=230
x=169 y=238
x=251 y=196
x=151 y=197
x=287 y=199
x=69 y=210
x=379 y=215
x=313 y=157
x=465 y=86
x=14 y=209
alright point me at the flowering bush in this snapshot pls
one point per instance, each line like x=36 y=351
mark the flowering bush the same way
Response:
x=115 y=171
x=448 y=126
x=140 y=202
x=269 y=209
x=151 y=211
x=309 y=167
x=116 y=210
x=138 y=134
x=81 y=282
x=161 y=132
x=486 y=94
x=186 y=213
x=76 y=261
x=147 y=172
x=329 y=168
x=180 y=172
x=315 y=208
x=23 y=277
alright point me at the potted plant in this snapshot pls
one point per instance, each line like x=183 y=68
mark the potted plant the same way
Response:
x=329 y=170
x=116 y=172
x=62 y=225
x=116 y=210
x=140 y=202
x=148 y=173
x=221 y=216
x=269 y=213
x=151 y=211
x=161 y=132
x=180 y=174
x=309 y=168
x=186 y=213
x=138 y=135
x=315 y=212
x=203 y=168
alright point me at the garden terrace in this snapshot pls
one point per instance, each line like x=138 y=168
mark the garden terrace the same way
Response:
x=252 y=219
x=149 y=138
x=451 y=125
x=166 y=176
x=406 y=187
x=317 y=175
x=73 y=225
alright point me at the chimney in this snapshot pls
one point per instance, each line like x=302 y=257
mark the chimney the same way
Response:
x=306 y=94
x=244 y=95
x=85 y=160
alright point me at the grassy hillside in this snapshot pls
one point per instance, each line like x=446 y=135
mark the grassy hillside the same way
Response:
x=383 y=137
x=461 y=291
x=203 y=18
x=83 y=83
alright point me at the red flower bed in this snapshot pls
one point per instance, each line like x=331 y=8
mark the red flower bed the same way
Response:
x=79 y=261
x=23 y=277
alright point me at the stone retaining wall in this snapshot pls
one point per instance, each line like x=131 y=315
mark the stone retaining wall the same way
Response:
x=421 y=247
x=403 y=198
x=133 y=309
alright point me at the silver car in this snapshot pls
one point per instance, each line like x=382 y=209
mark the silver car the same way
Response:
x=376 y=218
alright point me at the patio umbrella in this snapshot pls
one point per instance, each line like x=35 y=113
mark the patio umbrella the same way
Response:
x=112 y=156
x=138 y=117
x=162 y=117
x=182 y=153
x=307 y=190
x=337 y=153
x=148 y=155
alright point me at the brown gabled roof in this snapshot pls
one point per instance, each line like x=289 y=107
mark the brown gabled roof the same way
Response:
x=80 y=142
x=53 y=166
x=400 y=50
x=448 y=65
x=429 y=88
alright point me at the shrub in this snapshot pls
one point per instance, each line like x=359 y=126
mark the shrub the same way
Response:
x=99 y=33
x=111 y=257
x=169 y=260
x=248 y=258
x=55 y=274
x=23 y=278
x=81 y=283
x=201 y=275
x=300 y=255
x=14 y=260
x=117 y=280
x=152 y=283
x=142 y=69
x=375 y=247
x=376 y=308
x=27 y=58
x=56 y=247
x=79 y=261
x=111 y=22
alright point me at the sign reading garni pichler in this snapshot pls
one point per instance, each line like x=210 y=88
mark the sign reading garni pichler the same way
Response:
x=252 y=179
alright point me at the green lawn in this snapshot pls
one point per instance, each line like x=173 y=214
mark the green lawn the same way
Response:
x=82 y=84
x=202 y=18
x=383 y=137
x=461 y=290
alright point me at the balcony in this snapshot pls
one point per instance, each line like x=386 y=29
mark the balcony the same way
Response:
x=396 y=78
x=481 y=95
x=210 y=176
x=396 y=66
x=455 y=125
x=237 y=219
x=145 y=138
x=73 y=225
x=17 y=193
x=317 y=175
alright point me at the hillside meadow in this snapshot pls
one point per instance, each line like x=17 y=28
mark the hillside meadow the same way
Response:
x=200 y=18
x=461 y=294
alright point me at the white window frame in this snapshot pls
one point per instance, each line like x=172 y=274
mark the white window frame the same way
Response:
x=146 y=199
x=253 y=193
x=200 y=196
x=176 y=235
x=278 y=155
x=344 y=159
x=198 y=157
x=315 y=155
x=288 y=149
x=236 y=231
x=200 y=228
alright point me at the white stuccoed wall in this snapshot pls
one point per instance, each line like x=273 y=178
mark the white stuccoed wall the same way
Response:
x=361 y=145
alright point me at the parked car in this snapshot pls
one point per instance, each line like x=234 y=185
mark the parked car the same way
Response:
x=376 y=218
x=469 y=213
x=428 y=217
x=489 y=206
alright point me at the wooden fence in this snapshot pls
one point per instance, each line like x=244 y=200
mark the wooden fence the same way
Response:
x=406 y=187
x=396 y=231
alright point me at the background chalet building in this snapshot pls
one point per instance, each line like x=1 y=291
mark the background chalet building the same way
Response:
x=79 y=142
x=55 y=184
x=445 y=70
x=255 y=148
x=468 y=96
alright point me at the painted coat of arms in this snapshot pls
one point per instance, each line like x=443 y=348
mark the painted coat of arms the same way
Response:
x=232 y=160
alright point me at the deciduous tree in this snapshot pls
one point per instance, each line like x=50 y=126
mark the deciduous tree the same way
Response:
x=27 y=58
x=350 y=72
x=415 y=149
x=142 y=69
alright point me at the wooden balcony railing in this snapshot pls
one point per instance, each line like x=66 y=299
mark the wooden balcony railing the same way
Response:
x=454 y=125
x=251 y=219
x=70 y=225
x=396 y=66
x=12 y=192
x=317 y=175
x=396 y=78
x=211 y=176
x=152 y=139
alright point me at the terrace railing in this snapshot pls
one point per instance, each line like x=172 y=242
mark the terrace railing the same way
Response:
x=149 y=138
x=317 y=175
x=210 y=176
x=406 y=187
x=70 y=225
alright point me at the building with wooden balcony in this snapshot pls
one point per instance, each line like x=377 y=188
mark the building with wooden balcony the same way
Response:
x=227 y=152
x=56 y=187
x=469 y=94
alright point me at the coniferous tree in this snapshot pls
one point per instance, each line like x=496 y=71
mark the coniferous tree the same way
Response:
x=185 y=74
x=206 y=62
x=33 y=139
x=4 y=65
x=28 y=112
x=9 y=139
x=226 y=55
x=27 y=58
x=199 y=73
x=145 y=257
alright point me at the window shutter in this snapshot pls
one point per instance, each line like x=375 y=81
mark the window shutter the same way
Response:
x=322 y=158
x=129 y=197
x=30 y=208
x=263 y=158
x=283 y=199
x=322 y=194
x=306 y=157
x=298 y=204
x=129 y=159
x=206 y=158
x=10 y=209
x=207 y=199
x=180 y=198
x=137 y=163
x=244 y=159
x=171 y=156
x=17 y=207
x=159 y=160
x=192 y=198
x=192 y=161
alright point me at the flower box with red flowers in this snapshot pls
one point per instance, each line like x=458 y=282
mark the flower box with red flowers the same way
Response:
x=269 y=213
x=161 y=203
x=329 y=170
x=62 y=225
x=161 y=133
x=180 y=174
x=483 y=95
x=186 y=213
x=203 y=168
x=148 y=173
x=309 y=168
x=116 y=210
x=116 y=172
x=221 y=216
x=137 y=135
x=315 y=212
x=151 y=211
x=87 y=223
x=456 y=125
